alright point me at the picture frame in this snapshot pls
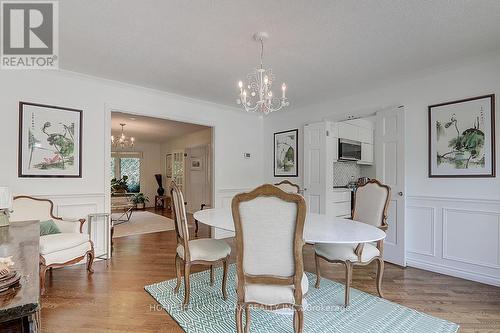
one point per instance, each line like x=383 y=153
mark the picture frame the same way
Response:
x=196 y=164
x=286 y=153
x=461 y=138
x=168 y=162
x=50 y=141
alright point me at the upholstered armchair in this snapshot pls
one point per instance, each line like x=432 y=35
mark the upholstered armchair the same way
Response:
x=57 y=250
x=288 y=186
x=371 y=202
x=206 y=251
x=269 y=225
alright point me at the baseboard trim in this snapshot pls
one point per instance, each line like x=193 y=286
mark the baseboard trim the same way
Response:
x=452 y=271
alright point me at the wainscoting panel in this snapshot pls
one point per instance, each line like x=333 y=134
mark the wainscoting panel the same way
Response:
x=454 y=236
x=420 y=225
x=223 y=199
x=76 y=206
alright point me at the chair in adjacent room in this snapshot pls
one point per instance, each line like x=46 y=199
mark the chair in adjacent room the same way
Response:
x=371 y=202
x=66 y=247
x=206 y=251
x=269 y=225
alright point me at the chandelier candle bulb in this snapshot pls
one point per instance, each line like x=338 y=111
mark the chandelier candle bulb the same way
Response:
x=283 y=88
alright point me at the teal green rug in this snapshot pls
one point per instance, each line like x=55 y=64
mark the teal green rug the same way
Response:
x=209 y=313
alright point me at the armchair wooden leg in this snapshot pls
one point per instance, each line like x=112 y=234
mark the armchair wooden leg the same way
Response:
x=212 y=277
x=239 y=319
x=247 y=319
x=187 y=272
x=90 y=259
x=43 y=270
x=224 y=278
x=380 y=273
x=348 y=278
x=177 y=273
x=298 y=320
x=318 y=271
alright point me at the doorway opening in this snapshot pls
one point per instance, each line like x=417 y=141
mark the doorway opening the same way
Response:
x=147 y=154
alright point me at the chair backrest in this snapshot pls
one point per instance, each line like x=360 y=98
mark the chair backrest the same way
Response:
x=269 y=226
x=371 y=202
x=25 y=208
x=288 y=186
x=180 y=218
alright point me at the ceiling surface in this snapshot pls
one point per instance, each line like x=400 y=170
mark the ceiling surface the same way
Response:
x=322 y=49
x=148 y=129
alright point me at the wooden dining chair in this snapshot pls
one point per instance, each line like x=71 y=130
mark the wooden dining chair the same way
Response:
x=371 y=202
x=269 y=225
x=193 y=252
x=288 y=186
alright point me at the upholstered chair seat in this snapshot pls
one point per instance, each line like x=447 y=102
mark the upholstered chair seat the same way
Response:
x=273 y=294
x=206 y=249
x=62 y=241
x=343 y=252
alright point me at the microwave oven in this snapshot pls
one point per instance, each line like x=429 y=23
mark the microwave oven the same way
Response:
x=349 y=150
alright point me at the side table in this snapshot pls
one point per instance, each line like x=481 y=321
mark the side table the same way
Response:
x=101 y=218
x=162 y=201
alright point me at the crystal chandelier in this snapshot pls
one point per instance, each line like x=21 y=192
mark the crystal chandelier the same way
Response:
x=259 y=97
x=122 y=141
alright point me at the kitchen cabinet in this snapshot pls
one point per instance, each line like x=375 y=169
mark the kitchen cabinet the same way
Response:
x=366 y=154
x=348 y=131
x=341 y=202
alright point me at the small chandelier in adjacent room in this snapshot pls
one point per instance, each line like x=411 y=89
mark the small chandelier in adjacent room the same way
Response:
x=122 y=141
x=259 y=97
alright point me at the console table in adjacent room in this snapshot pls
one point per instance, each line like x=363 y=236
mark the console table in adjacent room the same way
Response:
x=162 y=201
x=20 y=305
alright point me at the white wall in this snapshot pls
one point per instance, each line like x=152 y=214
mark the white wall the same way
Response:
x=234 y=133
x=476 y=78
x=151 y=164
x=194 y=139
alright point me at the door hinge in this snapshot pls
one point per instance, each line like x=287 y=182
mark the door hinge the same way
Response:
x=327 y=133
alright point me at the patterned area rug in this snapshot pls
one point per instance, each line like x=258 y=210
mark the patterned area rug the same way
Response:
x=142 y=223
x=208 y=312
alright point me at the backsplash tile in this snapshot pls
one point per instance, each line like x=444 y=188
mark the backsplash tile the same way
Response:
x=344 y=172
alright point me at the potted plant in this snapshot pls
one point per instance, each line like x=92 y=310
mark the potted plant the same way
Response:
x=139 y=199
x=119 y=185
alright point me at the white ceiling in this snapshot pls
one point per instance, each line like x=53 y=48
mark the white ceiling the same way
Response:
x=322 y=48
x=147 y=129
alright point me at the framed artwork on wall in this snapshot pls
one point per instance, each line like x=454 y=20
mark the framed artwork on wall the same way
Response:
x=196 y=164
x=285 y=154
x=50 y=141
x=462 y=138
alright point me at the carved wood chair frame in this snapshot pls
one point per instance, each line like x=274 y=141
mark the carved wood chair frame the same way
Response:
x=359 y=249
x=180 y=220
x=287 y=182
x=43 y=267
x=268 y=190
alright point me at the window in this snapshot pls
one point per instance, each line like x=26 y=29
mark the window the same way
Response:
x=127 y=164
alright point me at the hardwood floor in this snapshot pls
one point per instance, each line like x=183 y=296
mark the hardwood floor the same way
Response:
x=113 y=298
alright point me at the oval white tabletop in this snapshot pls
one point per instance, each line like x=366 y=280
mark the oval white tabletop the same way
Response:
x=319 y=228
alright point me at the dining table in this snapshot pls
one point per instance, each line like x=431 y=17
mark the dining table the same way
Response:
x=318 y=228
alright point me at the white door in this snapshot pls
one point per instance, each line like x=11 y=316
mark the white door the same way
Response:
x=390 y=162
x=198 y=185
x=315 y=167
